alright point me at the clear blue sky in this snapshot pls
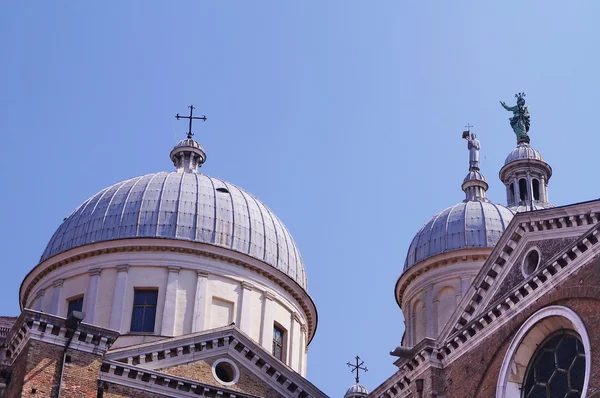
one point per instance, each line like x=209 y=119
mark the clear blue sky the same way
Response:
x=343 y=116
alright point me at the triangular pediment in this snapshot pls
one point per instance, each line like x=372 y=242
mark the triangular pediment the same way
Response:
x=193 y=358
x=557 y=234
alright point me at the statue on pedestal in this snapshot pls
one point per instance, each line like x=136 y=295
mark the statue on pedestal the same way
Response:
x=474 y=146
x=521 y=119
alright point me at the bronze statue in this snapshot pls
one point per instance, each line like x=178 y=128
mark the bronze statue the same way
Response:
x=521 y=119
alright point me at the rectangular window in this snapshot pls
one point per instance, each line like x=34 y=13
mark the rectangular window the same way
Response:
x=144 y=310
x=278 y=339
x=75 y=304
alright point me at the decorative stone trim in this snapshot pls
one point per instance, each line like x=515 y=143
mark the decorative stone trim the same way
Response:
x=247 y=285
x=174 y=269
x=34 y=325
x=271 y=273
x=122 y=267
x=95 y=271
x=227 y=340
x=162 y=383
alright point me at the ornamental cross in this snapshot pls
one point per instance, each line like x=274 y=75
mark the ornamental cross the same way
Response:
x=191 y=117
x=357 y=367
x=468 y=126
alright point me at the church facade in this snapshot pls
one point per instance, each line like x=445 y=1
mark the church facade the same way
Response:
x=177 y=284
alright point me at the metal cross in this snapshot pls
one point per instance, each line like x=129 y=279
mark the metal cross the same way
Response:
x=468 y=126
x=191 y=117
x=357 y=367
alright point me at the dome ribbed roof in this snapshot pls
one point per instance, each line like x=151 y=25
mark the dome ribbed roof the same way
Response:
x=470 y=224
x=356 y=390
x=523 y=151
x=184 y=206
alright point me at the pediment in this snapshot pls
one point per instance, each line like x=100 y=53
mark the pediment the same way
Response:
x=191 y=357
x=553 y=232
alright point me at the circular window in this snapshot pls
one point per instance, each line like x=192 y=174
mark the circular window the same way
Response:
x=531 y=262
x=557 y=368
x=225 y=371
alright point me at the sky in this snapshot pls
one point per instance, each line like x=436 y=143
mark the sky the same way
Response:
x=344 y=117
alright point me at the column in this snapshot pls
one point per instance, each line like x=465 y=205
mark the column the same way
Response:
x=408 y=332
x=529 y=188
x=56 y=308
x=435 y=317
x=543 y=188
x=429 y=315
x=118 y=303
x=38 y=301
x=91 y=296
x=266 y=335
x=170 y=309
x=517 y=189
x=246 y=315
x=200 y=300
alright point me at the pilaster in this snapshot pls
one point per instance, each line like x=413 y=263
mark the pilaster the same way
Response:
x=266 y=335
x=170 y=315
x=57 y=298
x=246 y=313
x=91 y=296
x=200 y=300
x=39 y=300
x=428 y=316
x=116 y=312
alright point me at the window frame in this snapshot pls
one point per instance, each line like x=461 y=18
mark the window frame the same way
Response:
x=282 y=345
x=73 y=300
x=144 y=306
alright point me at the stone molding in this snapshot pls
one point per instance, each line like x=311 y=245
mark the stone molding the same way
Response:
x=161 y=383
x=122 y=268
x=95 y=271
x=174 y=269
x=34 y=325
x=157 y=245
x=226 y=340
x=247 y=285
x=58 y=283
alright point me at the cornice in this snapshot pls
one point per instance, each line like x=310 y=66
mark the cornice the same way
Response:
x=159 y=245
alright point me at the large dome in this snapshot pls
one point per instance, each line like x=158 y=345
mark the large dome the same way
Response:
x=470 y=224
x=185 y=206
x=523 y=151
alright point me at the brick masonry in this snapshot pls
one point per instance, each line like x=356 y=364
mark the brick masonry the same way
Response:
x=476 y=372
x=201 y=371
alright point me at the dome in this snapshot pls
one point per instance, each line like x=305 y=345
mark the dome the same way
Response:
x=523 y=151
x=474 y=175
x=356 y=390
x=184 y=206
x=188 y=142
x=469 y=224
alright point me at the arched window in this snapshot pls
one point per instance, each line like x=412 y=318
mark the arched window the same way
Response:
x=523 y=189
x=536 y=189
x=557 y=368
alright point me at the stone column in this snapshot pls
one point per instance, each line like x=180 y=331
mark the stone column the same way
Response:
x=408 y=331
x=428 y=316
x=266 y=335
x=543 y=188
x=91 y=296
x=39 y=301
x=200 y=300
x=118 y=302
x=529 y=188
x=436 y=317
x=57 y=299
x=170 y=309
x=246 y=313
x=517 y=197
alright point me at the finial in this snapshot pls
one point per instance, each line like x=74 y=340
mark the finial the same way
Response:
x=188 y=155
x=357 y=367
x=474 y=184
x=521 y=119
x=191 y=117
x=474 y=146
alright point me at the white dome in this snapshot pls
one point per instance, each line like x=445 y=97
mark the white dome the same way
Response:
x=184 y=206
x=470 y=224
x=523 y=151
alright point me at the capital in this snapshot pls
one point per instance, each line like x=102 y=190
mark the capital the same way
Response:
x=174 y=269
x=58 y=283
x=122 y=267
x=268 y=295
x=247 y=285
x=94 y=271
x=202 y=274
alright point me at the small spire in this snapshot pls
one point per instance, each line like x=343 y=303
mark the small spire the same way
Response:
x=474 y=184
x=188 y=155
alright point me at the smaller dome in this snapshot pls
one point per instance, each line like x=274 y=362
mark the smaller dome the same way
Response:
x=474 y=175
x=188 y=142
x=356 y=391
x=523 y=151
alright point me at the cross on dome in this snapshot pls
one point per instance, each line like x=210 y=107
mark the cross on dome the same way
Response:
x=191 y=117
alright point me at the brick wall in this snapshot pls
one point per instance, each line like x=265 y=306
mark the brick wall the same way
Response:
x=115 y=391
x=475 y=374
x=201 y=371
x=36 y=372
